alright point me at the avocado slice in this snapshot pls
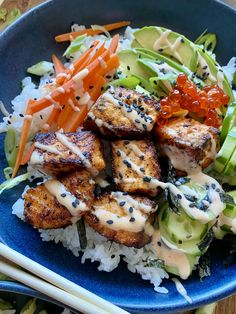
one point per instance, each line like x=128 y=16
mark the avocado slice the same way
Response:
x=185 y=52
x=130 y=66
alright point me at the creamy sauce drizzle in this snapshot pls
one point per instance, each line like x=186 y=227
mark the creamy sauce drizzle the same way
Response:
x=47 y=148
x=133 y=220
x=75 y=149
x=133 y=116
x=180 y=288
x=65 y=198
x=172 y=258
x=231 y=222
x=162 y=42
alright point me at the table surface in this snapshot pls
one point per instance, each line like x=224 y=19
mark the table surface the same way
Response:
x=227 y=306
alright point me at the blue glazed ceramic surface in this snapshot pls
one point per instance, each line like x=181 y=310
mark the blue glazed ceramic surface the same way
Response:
x=31 y=39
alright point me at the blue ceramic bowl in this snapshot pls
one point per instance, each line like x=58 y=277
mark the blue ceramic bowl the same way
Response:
x=29 y=40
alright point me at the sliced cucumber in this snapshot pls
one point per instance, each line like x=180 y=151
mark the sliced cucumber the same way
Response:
x=75 y=45
x=229 y=121
x=175 y=270
x=10 y=147
x=226 y=151
x=41 y=68
x=181 y=232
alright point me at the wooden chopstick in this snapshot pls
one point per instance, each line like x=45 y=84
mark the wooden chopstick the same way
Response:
x=50 y=290
x=60 y=282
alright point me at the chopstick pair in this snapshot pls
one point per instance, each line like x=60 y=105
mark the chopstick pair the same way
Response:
x=55 y=286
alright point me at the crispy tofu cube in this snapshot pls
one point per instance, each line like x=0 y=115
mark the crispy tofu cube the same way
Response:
x=122 y=112
x=55 y=153
x=44 y=210
x=122 y=218
x=133 y=160
x=188 y=144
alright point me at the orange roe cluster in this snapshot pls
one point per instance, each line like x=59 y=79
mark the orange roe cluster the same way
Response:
x=203 y=103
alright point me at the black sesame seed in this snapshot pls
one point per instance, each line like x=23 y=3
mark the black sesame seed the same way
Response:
x=9 y=122
x=182 y=40
x=131 y=209
x=21 y=115
x=108 y=77
x=146 y=179
x=109 y=222
x=63 y=195
x=122 y=203
x=129 y=110
x=137 y=120
x=142 y=169
x=192 y=205
x=91 y=46
x=128 y=164
x=179 y=196
x=120 y=175
x=213 y=186
x=113 y=256
x=118 y=153
x=218 y=190
x=132 y=219
x=120 y=103
x=35 y=98
x=141 y=157
x=74 y=204
x=91 y=86
x=128 y=67
x=125 y=193
x=160 y=50
x=144 y=126
x=126 y=142
x=120 y=94
x=128 y=96
x=32 y=177
x=41 y=117
x=159 y=243
x=63 y=107
x=180 y=241
x=205 y=67
x=77 y=97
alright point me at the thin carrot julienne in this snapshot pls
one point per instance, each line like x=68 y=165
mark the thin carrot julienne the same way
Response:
x=59 y=67
x=88 y=69
x=90 y=31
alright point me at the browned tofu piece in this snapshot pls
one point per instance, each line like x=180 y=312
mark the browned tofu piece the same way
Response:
x=53 y=155
x=122 y=112
x=122 y=218
x=133 y=160
x=188 y=143
x=45 y=210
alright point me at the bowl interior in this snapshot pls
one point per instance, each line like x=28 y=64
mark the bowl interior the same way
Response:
x=31 y=40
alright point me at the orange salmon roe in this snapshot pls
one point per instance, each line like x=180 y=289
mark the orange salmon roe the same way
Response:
x=203 y=103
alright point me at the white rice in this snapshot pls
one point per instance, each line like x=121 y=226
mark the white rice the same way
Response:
x=99 y=249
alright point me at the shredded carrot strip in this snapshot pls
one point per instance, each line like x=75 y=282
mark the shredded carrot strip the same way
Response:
x=114 y=44
x=76 y=119
x=59 y=67
x=111 y=64
x=23 y=139
x=96 y=91
x=53 y=116
x=27 y=155
x=78 y=65
x=90 y=31
x=100 y=50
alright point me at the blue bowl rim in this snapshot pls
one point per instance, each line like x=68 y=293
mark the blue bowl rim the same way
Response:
x=11 y=286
